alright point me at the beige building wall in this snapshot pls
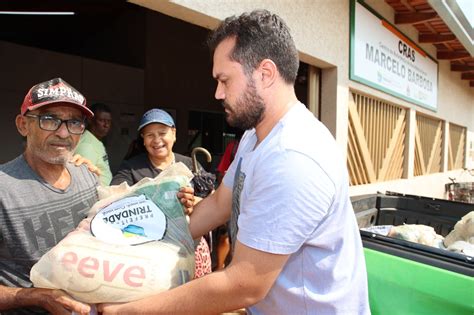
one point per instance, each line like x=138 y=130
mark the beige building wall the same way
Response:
x=321 y=31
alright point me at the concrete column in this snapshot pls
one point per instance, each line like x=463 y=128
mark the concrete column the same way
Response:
x=313 y=90
x=409 y=161
x=329 y=99
x=445 y=152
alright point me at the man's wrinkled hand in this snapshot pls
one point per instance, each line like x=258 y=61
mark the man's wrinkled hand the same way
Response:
x=59 y=302
x=78 y=160
x=84 y=225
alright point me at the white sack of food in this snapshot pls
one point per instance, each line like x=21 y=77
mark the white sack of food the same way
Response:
x=462 y=247
x=379 y=229
x=97 y=270
x=417 y=233
x=463 y=231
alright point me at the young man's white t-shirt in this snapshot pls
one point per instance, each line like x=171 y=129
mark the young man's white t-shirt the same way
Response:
x=290 y=196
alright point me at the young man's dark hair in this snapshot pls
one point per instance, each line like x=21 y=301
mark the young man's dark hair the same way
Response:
x=259 y=35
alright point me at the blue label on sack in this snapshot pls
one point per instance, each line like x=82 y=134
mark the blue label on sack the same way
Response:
x=131 y=220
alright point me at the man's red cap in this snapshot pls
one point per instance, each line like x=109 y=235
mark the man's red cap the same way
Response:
x=54 y=91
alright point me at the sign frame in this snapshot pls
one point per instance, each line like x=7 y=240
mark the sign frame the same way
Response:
x=412 y=47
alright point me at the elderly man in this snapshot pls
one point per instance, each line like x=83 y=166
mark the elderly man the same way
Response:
x=43 y=196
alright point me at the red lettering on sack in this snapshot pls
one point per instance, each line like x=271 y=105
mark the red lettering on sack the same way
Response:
x=128 y=274
x=83 y=266
x=109 y=277
x=133 y=276
x=69 y=258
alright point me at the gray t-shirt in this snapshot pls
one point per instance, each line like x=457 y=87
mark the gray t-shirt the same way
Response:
x=34 y=216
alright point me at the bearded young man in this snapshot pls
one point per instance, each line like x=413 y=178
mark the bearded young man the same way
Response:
x=295 y=240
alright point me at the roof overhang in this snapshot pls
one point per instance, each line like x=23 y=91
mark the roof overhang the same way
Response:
x=443 y=24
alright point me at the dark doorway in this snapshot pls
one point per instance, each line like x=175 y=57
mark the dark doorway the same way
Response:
x=205 y=129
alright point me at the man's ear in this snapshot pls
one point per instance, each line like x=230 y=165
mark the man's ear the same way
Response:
x=21 y=126
x=269 y=72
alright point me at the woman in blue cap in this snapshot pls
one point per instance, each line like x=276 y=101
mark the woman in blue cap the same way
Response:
x=157 y=129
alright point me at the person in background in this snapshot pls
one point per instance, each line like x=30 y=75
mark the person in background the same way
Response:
x=220 y=234
x=294 y=236
x=229 y=154
x=91 y=147
x=158 y=133
x=101 y=123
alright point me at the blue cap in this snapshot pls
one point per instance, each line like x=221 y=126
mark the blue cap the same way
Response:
x=158 y=116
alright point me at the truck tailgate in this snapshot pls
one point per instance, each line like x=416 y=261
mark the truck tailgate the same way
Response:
x=402 y=286
x=409 y=278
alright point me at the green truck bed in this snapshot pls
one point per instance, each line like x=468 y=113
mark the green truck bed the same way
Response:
x=408 y=278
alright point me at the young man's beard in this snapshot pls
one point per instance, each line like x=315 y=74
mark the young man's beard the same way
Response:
x=248 y=110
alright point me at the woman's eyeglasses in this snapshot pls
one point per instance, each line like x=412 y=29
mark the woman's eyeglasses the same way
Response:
x=50 y=123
